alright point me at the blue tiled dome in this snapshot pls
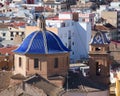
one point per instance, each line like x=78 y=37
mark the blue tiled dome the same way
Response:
x=35 y=44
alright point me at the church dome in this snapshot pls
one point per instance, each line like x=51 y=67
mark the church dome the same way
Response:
x=39 y=42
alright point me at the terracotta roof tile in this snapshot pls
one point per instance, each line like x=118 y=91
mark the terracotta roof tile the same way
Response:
x=18 y=24
x=42 y=9
x=5 y=25
x=39 y=8
x=8 y=50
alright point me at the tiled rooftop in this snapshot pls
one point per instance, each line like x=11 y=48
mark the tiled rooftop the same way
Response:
x=8 y=50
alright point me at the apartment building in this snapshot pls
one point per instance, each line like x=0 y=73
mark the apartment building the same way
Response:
x=17 y=34
x=74 y=34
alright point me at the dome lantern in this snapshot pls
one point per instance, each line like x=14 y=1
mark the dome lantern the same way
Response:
x=41 y=23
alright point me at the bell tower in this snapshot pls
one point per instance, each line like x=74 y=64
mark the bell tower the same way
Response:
x=99 y=58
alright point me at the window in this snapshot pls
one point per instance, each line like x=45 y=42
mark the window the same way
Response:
x=22 y=33
x=52 y=6
x=63 y=24
x=17 y=33
x=36 y=63
x=20 y=61
x=10 y=10
x=72 y=43
x=97 y=49
x=69 y=47
x=56 y=63
x=83 y=19
x=98 y=68
x=91 y=20
x=72 y=53
x=4 y=34
x=69 y=34
x=72 y=23
x=11 y=34
x=3 y=10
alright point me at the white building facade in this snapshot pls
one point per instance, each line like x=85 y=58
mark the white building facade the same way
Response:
x=74 y=34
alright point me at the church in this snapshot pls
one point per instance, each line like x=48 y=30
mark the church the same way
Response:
x=42 y=61
x=43 y=53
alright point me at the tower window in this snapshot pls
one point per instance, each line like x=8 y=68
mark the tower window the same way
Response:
x=20 y=61
x=97 y=49
x=56 y=63
x=98 y=68
x=36 y=63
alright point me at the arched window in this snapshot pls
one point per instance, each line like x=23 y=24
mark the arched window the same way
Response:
x=98 y=68
x=36 y=63
x=20 y=61
x=56 y=63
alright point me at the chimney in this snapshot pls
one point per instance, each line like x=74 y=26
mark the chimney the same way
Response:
x=75 y=16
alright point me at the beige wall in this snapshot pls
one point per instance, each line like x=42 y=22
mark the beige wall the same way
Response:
x=110 y=17
x=115 y=51
x=30 y=29
x=54 y=30
x=42 y=65
x=46 y=64
x=22 y=69
x=63 y=64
